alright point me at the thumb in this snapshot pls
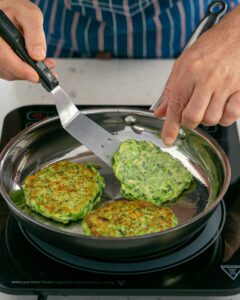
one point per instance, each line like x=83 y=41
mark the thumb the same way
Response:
x=32 y=26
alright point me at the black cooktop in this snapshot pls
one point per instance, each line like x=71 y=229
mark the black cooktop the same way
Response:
x=209 y=264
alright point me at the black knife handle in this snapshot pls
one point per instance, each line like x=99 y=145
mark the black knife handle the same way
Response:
x=15 y=40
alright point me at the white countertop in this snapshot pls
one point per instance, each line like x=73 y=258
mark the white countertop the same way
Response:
x=107 y=82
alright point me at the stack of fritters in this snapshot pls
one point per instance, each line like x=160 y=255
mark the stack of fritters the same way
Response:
x=123 y=218
x=145 y=172
x=64 y=191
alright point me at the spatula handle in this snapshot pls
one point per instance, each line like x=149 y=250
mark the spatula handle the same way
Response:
x=15 y=40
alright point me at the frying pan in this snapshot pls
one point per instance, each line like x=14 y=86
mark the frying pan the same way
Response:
x=47 y=142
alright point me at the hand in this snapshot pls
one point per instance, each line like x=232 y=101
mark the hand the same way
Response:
x=204 y=85
x=29 y=20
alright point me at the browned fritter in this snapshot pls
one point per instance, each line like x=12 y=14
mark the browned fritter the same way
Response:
x=124 y=218
x=64 y=191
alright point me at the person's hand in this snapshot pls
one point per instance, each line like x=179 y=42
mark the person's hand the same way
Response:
x=204 y=85
x=28 y=18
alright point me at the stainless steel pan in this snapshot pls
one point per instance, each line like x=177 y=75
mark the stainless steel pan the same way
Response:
x=46 y=142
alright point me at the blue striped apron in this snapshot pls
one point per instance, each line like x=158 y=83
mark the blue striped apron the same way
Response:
x=123 y=28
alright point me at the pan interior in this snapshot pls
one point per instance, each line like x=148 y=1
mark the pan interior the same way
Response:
x=47 y=142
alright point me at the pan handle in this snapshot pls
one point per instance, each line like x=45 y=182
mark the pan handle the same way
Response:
x=214 y=12
x=15 y=40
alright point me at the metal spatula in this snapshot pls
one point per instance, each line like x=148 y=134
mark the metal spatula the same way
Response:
x=94 y=137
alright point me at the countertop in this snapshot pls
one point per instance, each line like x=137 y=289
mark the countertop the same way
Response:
x=96 y=82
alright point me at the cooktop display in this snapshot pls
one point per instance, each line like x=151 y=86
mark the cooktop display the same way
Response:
x=207 y=264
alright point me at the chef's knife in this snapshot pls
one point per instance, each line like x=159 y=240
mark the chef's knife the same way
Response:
x=102 y=143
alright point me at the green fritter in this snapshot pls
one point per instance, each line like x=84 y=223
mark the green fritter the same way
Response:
x=124 y=218
x=146 y=172
x=64 y=191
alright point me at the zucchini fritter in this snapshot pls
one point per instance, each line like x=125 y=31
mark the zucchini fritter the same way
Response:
x=64 y=191
x=123 y=218
x=145 y=172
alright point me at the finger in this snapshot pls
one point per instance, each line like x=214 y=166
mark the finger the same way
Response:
x=194 y=111
x=31 y=22
x=172 y=122
x=11 y=63
x=178 y=92
x=215 y=109
x=4 y=74
x=177 y=101
x=162 y=108
x=51 y=63
x=55 y=74
x=231 y=110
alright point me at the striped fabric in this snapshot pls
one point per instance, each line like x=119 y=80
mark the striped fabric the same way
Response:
x=123 y=28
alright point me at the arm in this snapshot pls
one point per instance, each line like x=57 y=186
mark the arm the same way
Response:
x=204 y=85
